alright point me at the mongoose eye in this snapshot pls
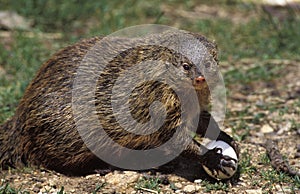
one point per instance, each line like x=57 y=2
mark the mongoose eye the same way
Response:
x=186 y=66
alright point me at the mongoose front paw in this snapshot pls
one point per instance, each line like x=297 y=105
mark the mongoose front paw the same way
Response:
x=221 y=161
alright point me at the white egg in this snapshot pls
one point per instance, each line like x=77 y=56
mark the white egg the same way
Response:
x=227 y=150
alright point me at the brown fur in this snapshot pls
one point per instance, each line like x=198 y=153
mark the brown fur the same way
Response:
x=43 y=132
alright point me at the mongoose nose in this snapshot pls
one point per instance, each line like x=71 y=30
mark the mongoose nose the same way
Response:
x=200 y=79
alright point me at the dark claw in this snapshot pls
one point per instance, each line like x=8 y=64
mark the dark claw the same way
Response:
x=216 y=162
x=228 y=163
x=220 y=168
x=227 y=158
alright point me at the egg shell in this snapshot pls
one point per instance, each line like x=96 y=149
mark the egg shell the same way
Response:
x=227 y=149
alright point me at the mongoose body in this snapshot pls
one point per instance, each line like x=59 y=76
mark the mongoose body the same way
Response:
x=43 y=131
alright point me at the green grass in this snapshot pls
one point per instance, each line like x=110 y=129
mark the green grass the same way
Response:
x=261 y=37
x=20 y=64
x=5 y=188
x=259 y=72
x=272 y=177
x=214 y=186
x=102 y=17
x=264 y=159
x=256 y=38
x=61 y=191
x=149 y=183
x=98 y=188
x=245 y=164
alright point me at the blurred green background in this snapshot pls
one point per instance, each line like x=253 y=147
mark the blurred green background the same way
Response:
x=242 y=29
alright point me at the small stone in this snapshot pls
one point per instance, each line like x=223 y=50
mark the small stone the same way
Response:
x=11 y=20
x=189 y=189
x=286 y=190
x=198 y=181
x=121 y=179
x=243 y=184
x=178 y=191
x=284 y=128
x=109 y=190
x=38 y=185
x=90 y=176
x=52 y=183
x=175 y=179
x=46 y=189
x=36 y=189
x=266 y=129
x=254 y=191
x=260 y=103
x=178 y=185
x=198 y=187
x=131 y=176
x=44 y=179
x=278 y=187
